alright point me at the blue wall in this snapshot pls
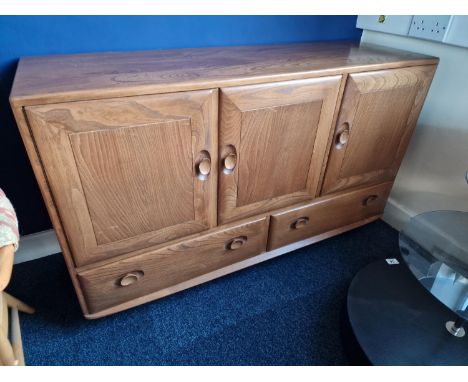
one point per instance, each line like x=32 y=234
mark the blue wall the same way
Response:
x=41 y=35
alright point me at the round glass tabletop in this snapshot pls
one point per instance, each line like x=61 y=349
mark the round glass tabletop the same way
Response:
x=434 y=245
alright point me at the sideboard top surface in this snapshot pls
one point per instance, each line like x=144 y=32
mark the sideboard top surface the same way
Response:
x=60 y=78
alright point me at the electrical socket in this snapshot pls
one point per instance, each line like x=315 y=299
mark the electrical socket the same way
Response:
x=429 y=27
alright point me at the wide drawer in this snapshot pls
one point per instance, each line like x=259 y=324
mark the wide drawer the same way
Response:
x=326 y=214
x=137 y=276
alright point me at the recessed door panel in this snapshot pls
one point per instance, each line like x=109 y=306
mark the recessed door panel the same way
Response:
x=270 y=139
x=125 y=172
x=275 y=137
x=377 y=117
x=146 y=170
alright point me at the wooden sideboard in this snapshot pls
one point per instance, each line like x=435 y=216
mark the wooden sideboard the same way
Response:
x=165 y=169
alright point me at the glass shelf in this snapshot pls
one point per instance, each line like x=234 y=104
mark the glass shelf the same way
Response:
x=434 y=245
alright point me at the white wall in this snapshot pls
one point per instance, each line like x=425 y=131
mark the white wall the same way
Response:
x=432 y=175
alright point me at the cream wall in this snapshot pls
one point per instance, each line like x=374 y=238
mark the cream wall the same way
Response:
x=432 y=175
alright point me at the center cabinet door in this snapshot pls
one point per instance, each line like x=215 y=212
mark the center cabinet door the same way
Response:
x=273 y=138
x=129 y=173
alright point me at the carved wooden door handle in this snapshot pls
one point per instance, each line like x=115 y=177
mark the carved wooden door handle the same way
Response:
x=343 y=136
x=229 y=159
x=204 y=167
x=230 y=162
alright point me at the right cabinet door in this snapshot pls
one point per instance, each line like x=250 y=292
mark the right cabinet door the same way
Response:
x=378 y=114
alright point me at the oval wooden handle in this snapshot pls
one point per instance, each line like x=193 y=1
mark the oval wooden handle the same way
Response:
x=370 y=199
x=343 y=137
x=129 y=279
x=230 y=162
x=236 y=243
x=204 y=167
x=300 y=223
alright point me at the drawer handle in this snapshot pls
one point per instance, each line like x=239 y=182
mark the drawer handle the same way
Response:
x=300 y=223
x=230 y=163
x=236 y=243
x=130 y=278
x=343 y=137
x=370 y=200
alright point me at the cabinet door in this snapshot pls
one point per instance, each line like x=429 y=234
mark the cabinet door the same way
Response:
x=129 y=173
x=377 y=117
x=273 y=138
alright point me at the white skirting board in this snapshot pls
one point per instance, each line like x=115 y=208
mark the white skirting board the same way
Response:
x=396 y=215
x=37 y=245
x=408 y=203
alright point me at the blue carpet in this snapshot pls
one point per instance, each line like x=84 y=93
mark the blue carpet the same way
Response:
x=285 y=311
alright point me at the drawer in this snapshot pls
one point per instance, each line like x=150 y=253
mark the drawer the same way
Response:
x=137 y=276
x=326 y=214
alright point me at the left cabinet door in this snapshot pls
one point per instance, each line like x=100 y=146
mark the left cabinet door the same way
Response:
x=129 y=173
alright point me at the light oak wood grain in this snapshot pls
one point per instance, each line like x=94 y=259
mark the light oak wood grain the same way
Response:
x=145 y=170
x=280 y=133
x=125 y=150
x=378 y=114
x=226 y=270
x=270 y=167
x=156 y=270
x=123 y=171
x=104 y=75
x=326 y=214
x=50 y=204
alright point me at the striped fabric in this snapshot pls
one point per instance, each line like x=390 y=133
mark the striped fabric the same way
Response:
x=9 y=233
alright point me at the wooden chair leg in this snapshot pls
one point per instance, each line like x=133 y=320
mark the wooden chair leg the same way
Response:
x=16 y=342
x=7 y=356
x=15 y=303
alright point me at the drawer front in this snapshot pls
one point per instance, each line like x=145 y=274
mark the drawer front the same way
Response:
x=134 y=277
x=327 y=214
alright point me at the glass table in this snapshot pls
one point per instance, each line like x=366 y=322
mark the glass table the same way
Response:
x=434 y=246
